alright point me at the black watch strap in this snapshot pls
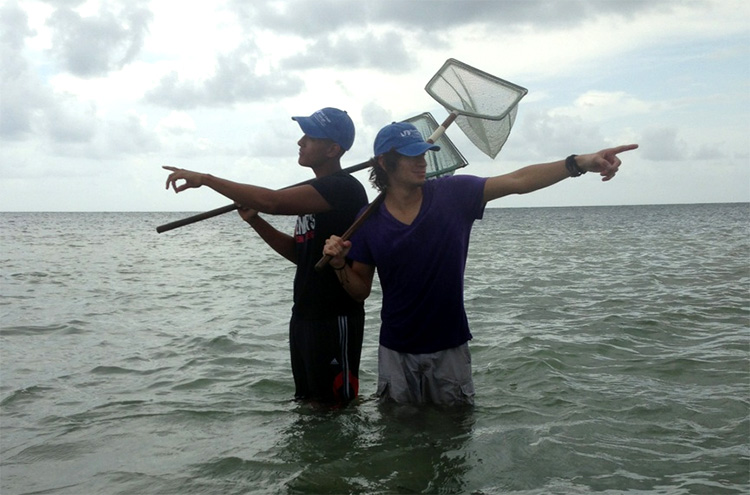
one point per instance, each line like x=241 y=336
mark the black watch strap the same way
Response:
x=573 y=169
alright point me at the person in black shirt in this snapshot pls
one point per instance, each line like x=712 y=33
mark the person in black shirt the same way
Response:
x=327 y=325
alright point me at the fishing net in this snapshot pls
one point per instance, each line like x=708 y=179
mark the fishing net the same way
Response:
x=486 y=105
x=448 y=159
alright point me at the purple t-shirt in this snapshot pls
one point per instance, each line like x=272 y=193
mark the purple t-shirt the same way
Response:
x=421 y=266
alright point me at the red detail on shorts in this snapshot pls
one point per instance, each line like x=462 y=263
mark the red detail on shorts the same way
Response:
x=339 y=393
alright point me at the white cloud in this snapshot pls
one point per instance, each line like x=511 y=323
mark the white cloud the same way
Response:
x=177 y=123
x=596 y=106
x=69 y=120
x=126 y=86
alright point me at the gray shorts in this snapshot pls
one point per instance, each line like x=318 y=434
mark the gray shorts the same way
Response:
x=442 y=377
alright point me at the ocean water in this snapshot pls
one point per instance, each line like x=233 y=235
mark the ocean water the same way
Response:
x=611 y=354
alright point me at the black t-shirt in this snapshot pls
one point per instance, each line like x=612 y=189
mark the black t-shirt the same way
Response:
x=319 y=294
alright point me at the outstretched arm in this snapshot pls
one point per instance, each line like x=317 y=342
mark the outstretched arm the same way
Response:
x=356 y=279
x=297 y=200
x=280 y=242
x=535 y=177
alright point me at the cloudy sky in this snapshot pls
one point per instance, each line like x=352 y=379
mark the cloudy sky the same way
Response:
x=97 y=95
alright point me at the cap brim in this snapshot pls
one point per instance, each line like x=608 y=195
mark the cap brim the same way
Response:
x=416 y=149
x=310 y=127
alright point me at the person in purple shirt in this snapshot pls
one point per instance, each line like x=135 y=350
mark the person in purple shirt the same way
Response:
x=418 y=240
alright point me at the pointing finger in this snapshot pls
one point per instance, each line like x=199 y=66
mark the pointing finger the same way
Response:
x=623 y=148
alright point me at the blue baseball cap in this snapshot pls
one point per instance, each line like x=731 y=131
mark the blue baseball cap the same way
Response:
x=404 y=138
x=329 y=123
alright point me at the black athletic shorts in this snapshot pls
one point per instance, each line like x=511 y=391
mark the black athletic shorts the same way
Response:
x=325 y=357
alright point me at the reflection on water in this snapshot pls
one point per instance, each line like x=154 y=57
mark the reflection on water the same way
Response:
x=374 y=448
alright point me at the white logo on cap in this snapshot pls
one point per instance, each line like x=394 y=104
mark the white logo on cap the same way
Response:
x=322 y=118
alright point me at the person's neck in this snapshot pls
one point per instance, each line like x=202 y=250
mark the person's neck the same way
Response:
x=404 y=202
x=327 y=168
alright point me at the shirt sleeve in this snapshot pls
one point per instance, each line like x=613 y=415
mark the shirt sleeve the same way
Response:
x=465 y=193
x=336 y=189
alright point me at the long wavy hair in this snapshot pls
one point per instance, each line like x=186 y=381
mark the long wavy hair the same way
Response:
x=378 y=176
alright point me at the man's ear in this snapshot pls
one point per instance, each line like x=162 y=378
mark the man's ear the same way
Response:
x=334 y=150
x=381 y=161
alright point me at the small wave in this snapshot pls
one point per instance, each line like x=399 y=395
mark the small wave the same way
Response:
x=73 y=327
x=52 y=452
x=197 y=384
x=118 y=370
x=24 y=395
x=233 y=473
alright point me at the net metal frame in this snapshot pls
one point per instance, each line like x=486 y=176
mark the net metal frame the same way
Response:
x=449 y=159
x=486 y=105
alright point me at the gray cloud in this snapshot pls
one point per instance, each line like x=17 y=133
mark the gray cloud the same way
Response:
x=662 y=144
x=388 y=51
x=305 y=18
x=21 y=97
x=64 y=3
x=546 y=135
x=100 y=140
x=93 y=46
x=328 y=24
x=21 y=94
x=375 y=115
x=68 y=126
x=709 y=151
x=26 y=104
x=129 y=136
x=235 y=80
x=15 y=25
x=301 y=18
x=68 y=121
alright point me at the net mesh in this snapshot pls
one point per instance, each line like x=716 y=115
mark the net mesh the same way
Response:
x=486 y=105
x=448 y=159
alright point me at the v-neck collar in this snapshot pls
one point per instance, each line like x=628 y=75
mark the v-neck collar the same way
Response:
x=422 y=206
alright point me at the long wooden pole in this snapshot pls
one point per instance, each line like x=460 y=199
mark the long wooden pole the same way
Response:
x=226 y=209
